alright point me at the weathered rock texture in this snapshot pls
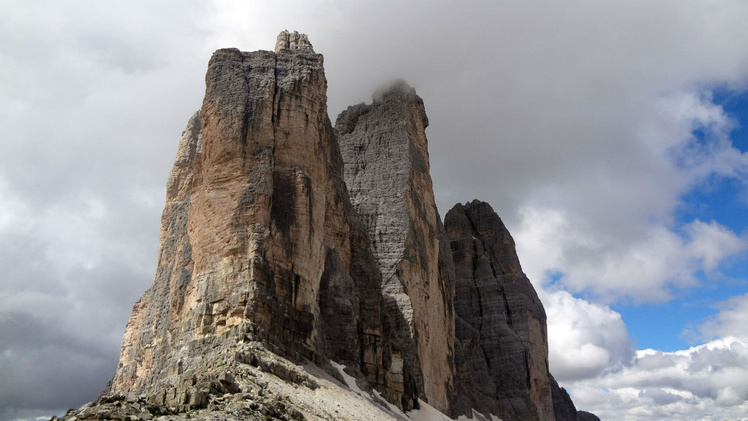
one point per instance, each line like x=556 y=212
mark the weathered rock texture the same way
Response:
x=258 y=234
x=251 y=383
x=292 y=41
x=385 y=152
x=267 y=263
x=501 y=325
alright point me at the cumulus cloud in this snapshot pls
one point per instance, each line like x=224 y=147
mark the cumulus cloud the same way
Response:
x=647 y=269
x=584 y=339
x=706 y=382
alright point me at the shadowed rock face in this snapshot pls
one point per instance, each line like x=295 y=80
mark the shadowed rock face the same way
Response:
x=501 y=341
x=385 y=152
x=280 y=246
x=564 y=407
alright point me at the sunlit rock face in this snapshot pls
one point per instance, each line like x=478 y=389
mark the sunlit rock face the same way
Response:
x=258 y=234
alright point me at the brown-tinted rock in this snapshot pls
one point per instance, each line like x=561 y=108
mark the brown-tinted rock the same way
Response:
x=258 y=235
x=385 y=152
x=501 y=346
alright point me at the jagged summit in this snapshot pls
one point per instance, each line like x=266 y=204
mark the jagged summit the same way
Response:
x=293 y=41
x=304 y=272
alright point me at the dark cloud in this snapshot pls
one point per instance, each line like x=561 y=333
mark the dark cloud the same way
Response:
x=43 y=366
x=92 y=102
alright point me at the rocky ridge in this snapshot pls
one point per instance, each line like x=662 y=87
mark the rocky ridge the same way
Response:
x=304 y=272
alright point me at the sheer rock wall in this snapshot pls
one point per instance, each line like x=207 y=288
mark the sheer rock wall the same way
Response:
x=385 y=152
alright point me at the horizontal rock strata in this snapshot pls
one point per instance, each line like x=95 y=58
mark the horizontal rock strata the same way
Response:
x=501 y=324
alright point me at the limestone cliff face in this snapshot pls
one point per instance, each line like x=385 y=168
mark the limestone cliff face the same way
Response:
x=258 y=236
x=501 y=341
x=385 y=152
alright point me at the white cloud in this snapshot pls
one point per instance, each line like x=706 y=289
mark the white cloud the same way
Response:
x=732 y=319
x=645 y=269
x=584 y=339
x=591 y=356
x=670 y=134
x=711 y=243
x=706 y=382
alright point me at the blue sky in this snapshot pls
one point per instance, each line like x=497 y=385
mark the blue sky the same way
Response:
x=669 y=326
x=609 y=136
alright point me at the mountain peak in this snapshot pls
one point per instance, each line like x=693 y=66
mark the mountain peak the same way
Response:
x=293 y=41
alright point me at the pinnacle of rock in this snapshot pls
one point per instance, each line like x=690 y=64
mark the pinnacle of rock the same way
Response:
x=293 y=41
x=385 y=158
x=501 y=324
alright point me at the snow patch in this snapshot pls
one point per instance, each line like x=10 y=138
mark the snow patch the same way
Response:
x=349 y=380
x=477 y=416
x=427 y=412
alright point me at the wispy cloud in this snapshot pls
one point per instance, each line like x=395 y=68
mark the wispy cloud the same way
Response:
x=730 y=321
